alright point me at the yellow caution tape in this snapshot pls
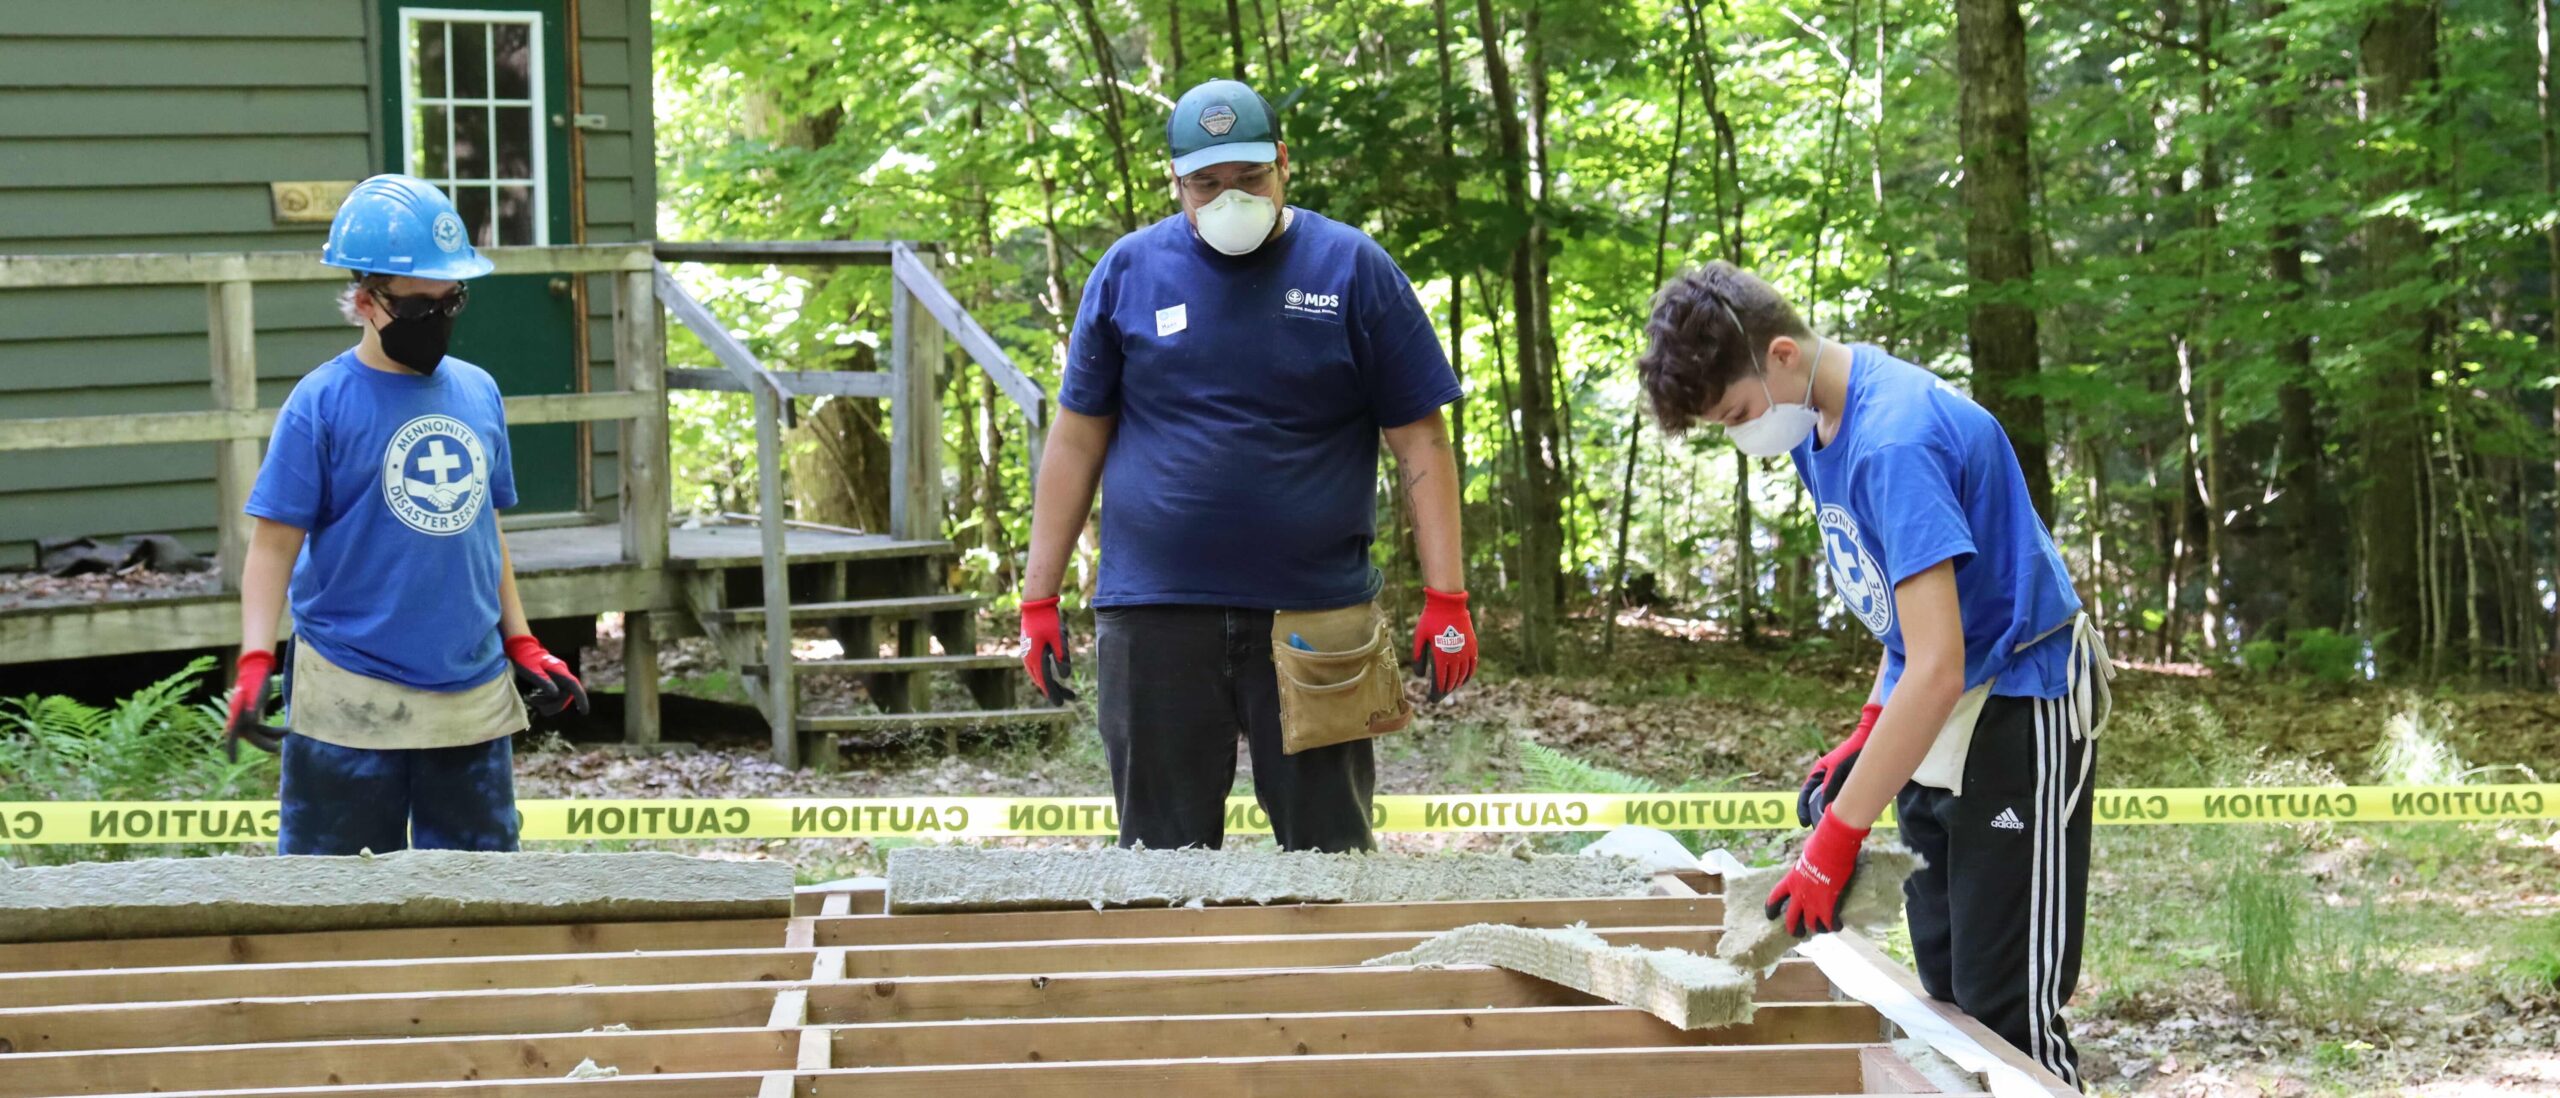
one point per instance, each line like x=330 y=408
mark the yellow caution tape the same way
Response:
x=31 y=823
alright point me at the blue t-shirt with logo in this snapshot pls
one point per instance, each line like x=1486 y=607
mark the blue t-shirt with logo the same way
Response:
x=1918 y=474
x=1249 y=392
x=398 y=479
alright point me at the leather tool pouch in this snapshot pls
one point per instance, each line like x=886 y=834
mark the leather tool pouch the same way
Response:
x=1347 y=687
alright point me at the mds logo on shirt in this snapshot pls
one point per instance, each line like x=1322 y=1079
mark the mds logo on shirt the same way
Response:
x=1299 y=302
x=435 y=475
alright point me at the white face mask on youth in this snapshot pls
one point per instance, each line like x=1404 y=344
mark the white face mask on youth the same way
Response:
x=1782 y=427
x=1237 y=221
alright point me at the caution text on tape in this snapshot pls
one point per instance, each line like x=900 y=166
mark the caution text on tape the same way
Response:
x=23 y=823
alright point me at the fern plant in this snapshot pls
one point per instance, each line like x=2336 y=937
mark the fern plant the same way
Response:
x=153 y=745
x=1551 y=771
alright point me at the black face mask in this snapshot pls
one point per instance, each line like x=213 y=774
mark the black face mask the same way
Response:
x=420 y=329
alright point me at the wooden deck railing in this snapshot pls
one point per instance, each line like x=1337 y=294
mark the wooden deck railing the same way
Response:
x=236 y=425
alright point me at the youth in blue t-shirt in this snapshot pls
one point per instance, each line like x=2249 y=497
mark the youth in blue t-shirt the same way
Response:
x=1918 y=474
x=1249 y=392
x=398 y=478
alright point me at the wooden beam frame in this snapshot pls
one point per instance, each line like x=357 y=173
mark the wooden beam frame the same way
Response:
x=1024 y=1005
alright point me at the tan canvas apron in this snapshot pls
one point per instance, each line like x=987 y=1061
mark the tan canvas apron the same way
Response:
x=2092 y=700
x=1344 y=685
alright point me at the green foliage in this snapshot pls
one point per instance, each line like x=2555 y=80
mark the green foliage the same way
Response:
x=1551 y=771
x=2413 y=751
x=2536 y=960
x=152 y=746
x=1830 y=164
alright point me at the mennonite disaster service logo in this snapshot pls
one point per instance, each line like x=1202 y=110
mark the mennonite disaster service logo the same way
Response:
x=1853 y=570
x=435 y=476
x=448 y=232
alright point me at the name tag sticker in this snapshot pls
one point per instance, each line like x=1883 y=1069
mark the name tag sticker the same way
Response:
x=1172 y=319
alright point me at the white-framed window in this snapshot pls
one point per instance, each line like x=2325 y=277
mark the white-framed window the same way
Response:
x=472 y=118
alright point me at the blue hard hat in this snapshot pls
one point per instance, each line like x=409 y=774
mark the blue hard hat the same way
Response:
x=402 y=225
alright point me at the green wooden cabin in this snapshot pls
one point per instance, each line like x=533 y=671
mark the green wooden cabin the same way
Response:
x=233 y=126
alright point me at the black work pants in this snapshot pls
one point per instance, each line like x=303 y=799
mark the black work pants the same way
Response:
x=1178 y=685
x=1996 y=917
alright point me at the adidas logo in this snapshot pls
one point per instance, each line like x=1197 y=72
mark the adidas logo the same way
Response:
x=2008 y=820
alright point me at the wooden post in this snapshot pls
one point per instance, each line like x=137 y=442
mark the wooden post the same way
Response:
x=779 y=694
x=915 y=432
x=232 y=327
x=637 y=368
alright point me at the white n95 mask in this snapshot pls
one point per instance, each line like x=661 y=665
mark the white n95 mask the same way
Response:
x=1237 y=222
x=1782 y=427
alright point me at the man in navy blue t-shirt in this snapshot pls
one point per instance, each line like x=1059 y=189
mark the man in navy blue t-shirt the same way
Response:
x=1981 y=724
x=1231 y=371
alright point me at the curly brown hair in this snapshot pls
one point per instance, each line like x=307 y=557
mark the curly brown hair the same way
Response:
x=1693 y=351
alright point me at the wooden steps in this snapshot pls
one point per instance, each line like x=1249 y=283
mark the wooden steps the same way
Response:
x=890 y=665
x=895 y=609
x=961 y=719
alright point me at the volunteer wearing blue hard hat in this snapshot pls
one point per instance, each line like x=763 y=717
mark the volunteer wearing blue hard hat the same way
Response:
x=1229 y=376
x=376 y=509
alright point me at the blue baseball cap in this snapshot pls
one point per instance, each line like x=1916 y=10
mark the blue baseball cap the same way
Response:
x=1222 y=122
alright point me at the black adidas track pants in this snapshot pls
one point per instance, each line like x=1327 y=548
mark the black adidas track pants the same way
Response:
x=1996 y=917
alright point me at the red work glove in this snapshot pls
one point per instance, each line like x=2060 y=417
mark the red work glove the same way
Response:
x=1444 y=642
x=548 y=685
x=248 y=707
x=1822 y=783
x=1044 y=650
x=1809 y=894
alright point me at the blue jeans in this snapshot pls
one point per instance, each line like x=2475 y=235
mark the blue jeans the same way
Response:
x=339 y=800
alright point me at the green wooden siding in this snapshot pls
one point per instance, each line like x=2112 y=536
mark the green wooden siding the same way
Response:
x=620 y=180
x=148 y=126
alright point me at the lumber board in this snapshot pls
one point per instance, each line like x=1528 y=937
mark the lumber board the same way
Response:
x=335 y=1063
x=41 y=271
x=1181 y=953
x=1346 y=1032
x=702 y=1085
x=1171 y=922
x=1224 y=991
x=1619 y=1073
x=370 y=945
x=414 y=974
x=394 y=1014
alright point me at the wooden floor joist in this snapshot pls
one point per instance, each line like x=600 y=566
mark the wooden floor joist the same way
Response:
x=842 y=1000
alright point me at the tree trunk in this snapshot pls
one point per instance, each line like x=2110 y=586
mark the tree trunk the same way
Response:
x=2543 y=94
x=2207 y=436
x=1542 y=180
x=2398 y=50
x=1114 y=113
x=1173 y=31
x=1542 y=518
x=1449 y=209
x=2312 y=564
x=1991 y=62
x=1280 y=22
x=1235 y=37
x=1635 y=420
x=1262 y=36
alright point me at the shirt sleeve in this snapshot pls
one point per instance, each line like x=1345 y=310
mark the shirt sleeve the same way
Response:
x=1394 y=345
x=1911 y=488
x=293 y=481
x=1091 y=383
x=502 y=462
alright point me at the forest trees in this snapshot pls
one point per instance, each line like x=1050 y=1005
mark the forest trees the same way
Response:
x=2262 y=288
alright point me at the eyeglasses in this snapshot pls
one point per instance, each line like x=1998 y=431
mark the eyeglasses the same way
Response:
x=420 y=306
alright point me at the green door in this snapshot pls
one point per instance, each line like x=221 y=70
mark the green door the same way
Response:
x=475 y=100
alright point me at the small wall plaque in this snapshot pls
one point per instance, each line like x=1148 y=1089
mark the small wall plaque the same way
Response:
x=310 y=201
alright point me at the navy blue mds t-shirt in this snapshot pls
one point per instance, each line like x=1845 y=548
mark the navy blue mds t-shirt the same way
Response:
x=1249 y=392
x=398 y=479
x=1917 y=474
